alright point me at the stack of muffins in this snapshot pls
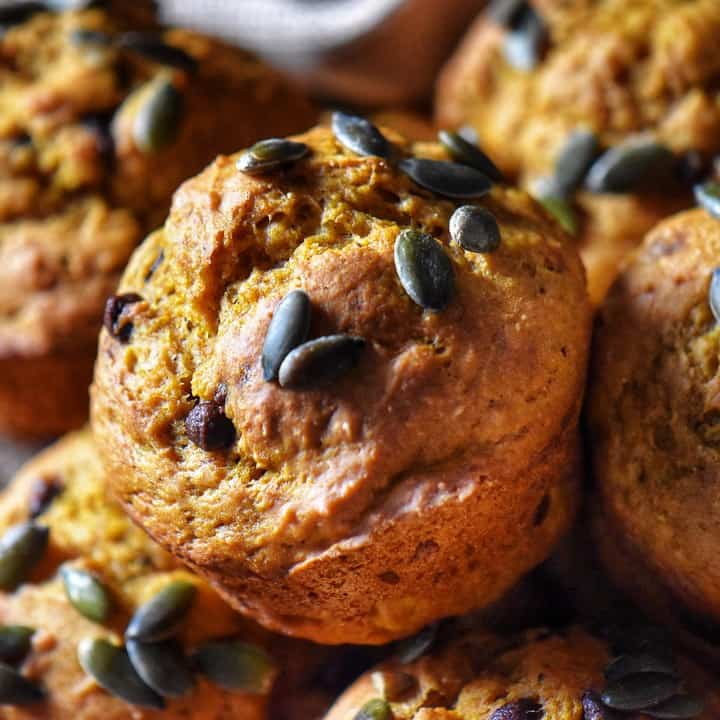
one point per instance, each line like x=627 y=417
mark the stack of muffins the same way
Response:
x=335 y=420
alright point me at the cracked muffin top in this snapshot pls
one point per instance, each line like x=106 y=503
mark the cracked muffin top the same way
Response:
x=404 y=372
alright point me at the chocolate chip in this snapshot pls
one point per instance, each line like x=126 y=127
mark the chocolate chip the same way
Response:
x=525 y=709
x=207 y=426
x=44 y=491
x=113 y=319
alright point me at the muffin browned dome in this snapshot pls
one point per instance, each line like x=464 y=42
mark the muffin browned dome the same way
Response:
x=654 y=409
x=607 y=109
x=99 y=123
x=411 y=462
x=569 y=674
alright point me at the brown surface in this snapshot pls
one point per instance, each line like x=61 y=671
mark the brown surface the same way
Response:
x=403 y=492
x=71 y=213
x=653 y=417
x=478 y=673
x=613 y=67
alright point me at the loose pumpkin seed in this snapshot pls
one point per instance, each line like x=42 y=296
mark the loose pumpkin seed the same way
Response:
x=475 y=229
x=21 y=549
x=111 y=668
x=376 y=709
x=707 y=196
x=446 y=178
x=86 y=593
x=162 y=666
x=161 y=616
x=153 y=48
x=525 y=43
x=467 y=153
x=714 y=294
x=424 y=270
x=638 y=692
x=236 y=666
x=158 y=119
x=393 y=685
x=637 y=162
x=85 y=36
x=320 y=360
x=15 y=643
x=288 y=328
x=562 y=211
x=573 y=162
x=680 y=707
x=413 y=648
x=639 y=663
x=271 y=154
x=16 y=689
x=359 y=135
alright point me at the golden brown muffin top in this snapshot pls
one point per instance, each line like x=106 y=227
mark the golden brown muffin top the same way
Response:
x=485 y=381
x=559 y=675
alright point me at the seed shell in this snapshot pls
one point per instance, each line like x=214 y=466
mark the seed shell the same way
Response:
x=320 y=360
x=707 y=196
x=680 y=707
x=424 y=269
x=635 y=163
x=153 y=48
x=161 y=616
x=111 y=668
x=236 y=666
x=413 y=648
x=271 y=154
x=21 y=549
x=86 y=593
x=475 y=229
x=15 y=643
x=467 y=153
x=16 y=689
x=162 y=666
x=573 y=161
x=158 y=119
x=450 y=179
x=638 y=692
x=376 y=709
x=639 y=663
x=208 y=427
x=359 y=135
x=525 y=43
x=288 y=328
x=714 y=294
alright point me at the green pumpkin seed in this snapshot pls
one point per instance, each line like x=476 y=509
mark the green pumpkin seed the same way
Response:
x=413 y=648
x=393 y=685
x=271 y=154
x=376 y=709
x=22 y=547
x=525 y=43
x=16 y=689
x=161 y=616
x=475 y=229
x=637 y=162
x=639 y=663
x=111 y=668
x=320 y=361
x=153 y=48
x=359 y=135
x=680 y=707
x=714 y=294
x=446 y=178
x=424 y=270
x=467 y=153
x=236 y=666
x=638 y=692
x=707 y=196
x=288 y=328
x=562 y=211
x=15 y=643
x=573 y=162
x=158 y=120
x=162 y=666
x=85 y=36
x=86 y=593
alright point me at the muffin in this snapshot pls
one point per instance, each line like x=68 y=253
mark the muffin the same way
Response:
x=606 y=110
x=100 y=121
x=653 y=412
x=569 y=674
x=400 y=443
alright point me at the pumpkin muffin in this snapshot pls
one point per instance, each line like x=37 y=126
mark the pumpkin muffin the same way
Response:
x=653 y=415
x=568 y=674
x=400 y=443
x=100 y=121
x=606 y=110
